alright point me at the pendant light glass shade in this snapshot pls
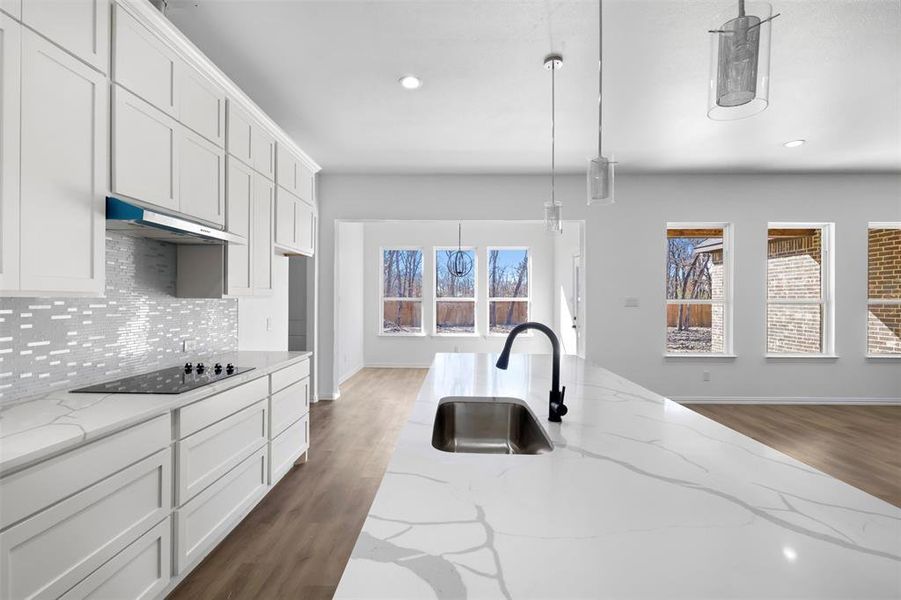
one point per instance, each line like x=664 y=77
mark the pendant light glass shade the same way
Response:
x=739 y=82
x=553 y=217
x=600 y=180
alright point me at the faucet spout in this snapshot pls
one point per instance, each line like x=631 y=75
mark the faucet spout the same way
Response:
x=556 y=408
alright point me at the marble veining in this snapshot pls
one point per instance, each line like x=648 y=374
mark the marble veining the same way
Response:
x=34 y=429
x=640 y=498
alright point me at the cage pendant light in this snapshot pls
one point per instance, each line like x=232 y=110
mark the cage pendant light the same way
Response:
x=459 y=263
x=600 y=168
x=553 y=210
x=739 y=82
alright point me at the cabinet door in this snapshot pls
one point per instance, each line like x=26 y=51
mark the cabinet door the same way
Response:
x=12 y=7
x=63 y=171
x=306 y=223
x=201 y=178
x=261 y=236
x=80 y=26
x=142 y=63
x=201 y=104
x=287 y=170
x=10 y=86
x=144 y=151
x=239 y=196
x=239 y=133
x=262 y=150
x=285 y=214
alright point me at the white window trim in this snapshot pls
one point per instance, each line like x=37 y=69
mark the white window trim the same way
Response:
x=474 y=299
x=382 y=299
x=827 y=292
x=725 y=302
x=527 y=299
x=875 y=301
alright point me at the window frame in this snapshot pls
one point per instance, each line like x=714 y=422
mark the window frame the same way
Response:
x=382 y=299
x=527 y=299
x=726 y=301
x=827 y=291
x=877 y=301
x=474 y=299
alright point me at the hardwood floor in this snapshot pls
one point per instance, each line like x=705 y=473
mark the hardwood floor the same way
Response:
x=860 y=445
x=295 y=543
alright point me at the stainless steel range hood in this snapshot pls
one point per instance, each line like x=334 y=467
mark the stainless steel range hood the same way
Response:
x=135 y=220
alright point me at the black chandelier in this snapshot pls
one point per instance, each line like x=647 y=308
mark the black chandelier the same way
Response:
x=459 y=263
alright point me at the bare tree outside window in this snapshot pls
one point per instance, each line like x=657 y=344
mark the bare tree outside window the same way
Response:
x=508 y=288
x=695 y=290
x=455 y=297
x=402 y=291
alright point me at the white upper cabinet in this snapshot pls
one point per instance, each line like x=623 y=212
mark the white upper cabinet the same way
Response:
x=285 y=219
x=10 y=86
x=143 y=63
x=293 y=175
x=145 y=146
x=306 y=227
x=64 y=116
x=240 y=217
x=201 y=178
x=261 y=235
x=249 y=142
x=201 y=104
x=80 y=26
x=12 y=7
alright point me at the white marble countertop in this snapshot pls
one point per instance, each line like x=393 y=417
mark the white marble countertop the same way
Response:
x=40 y=427
x=640 y=498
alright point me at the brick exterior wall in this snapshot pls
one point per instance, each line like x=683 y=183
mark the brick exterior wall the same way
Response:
x=794 y=271
x=884 y=282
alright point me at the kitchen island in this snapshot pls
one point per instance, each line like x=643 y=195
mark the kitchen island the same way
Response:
x=640 y=498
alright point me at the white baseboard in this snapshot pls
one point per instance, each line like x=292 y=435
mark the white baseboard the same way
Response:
x=398 y=366
x=334 y=396
x=350 y=374
x=784 y=400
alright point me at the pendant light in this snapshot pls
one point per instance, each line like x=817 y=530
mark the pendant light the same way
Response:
x=553 y=210
x=739 y=82
x=600 y=168
x=459 y=263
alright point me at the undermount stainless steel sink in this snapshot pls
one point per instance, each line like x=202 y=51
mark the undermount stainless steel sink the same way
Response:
x=485 y=425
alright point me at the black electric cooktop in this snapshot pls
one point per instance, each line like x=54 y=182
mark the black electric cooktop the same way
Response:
x=174 y=380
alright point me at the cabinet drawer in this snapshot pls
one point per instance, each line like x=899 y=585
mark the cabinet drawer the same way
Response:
x=195 y=417
x=201 y=104
x=287 y=448
x=201 y=178
x=288 y=405
x=203 y=521
x=47 y=554
x=29 y=491
x=79 y=26
x=142 y=62
x=287 y=376
x=145 y=143
x=140 y=571
x=210 y=453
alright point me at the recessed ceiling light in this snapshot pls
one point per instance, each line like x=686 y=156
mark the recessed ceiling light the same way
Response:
x=410 y=82
x=794 y=143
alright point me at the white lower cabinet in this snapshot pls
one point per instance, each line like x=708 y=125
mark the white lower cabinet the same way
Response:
x=288 y=405
x=140 y=572
x=287 y=447
x=210 y=453
x=47 y=554
x=205 y=520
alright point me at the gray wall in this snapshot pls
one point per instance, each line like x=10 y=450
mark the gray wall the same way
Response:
x=625 y=245
x=47 y=343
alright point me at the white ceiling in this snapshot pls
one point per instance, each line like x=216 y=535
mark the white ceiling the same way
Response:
x=327 y=72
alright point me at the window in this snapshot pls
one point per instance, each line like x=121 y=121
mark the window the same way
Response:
x=884 y=289
x=401 y=292
x=455 y=297
x=799 y=296
x=698 y=289
x=508 y=288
